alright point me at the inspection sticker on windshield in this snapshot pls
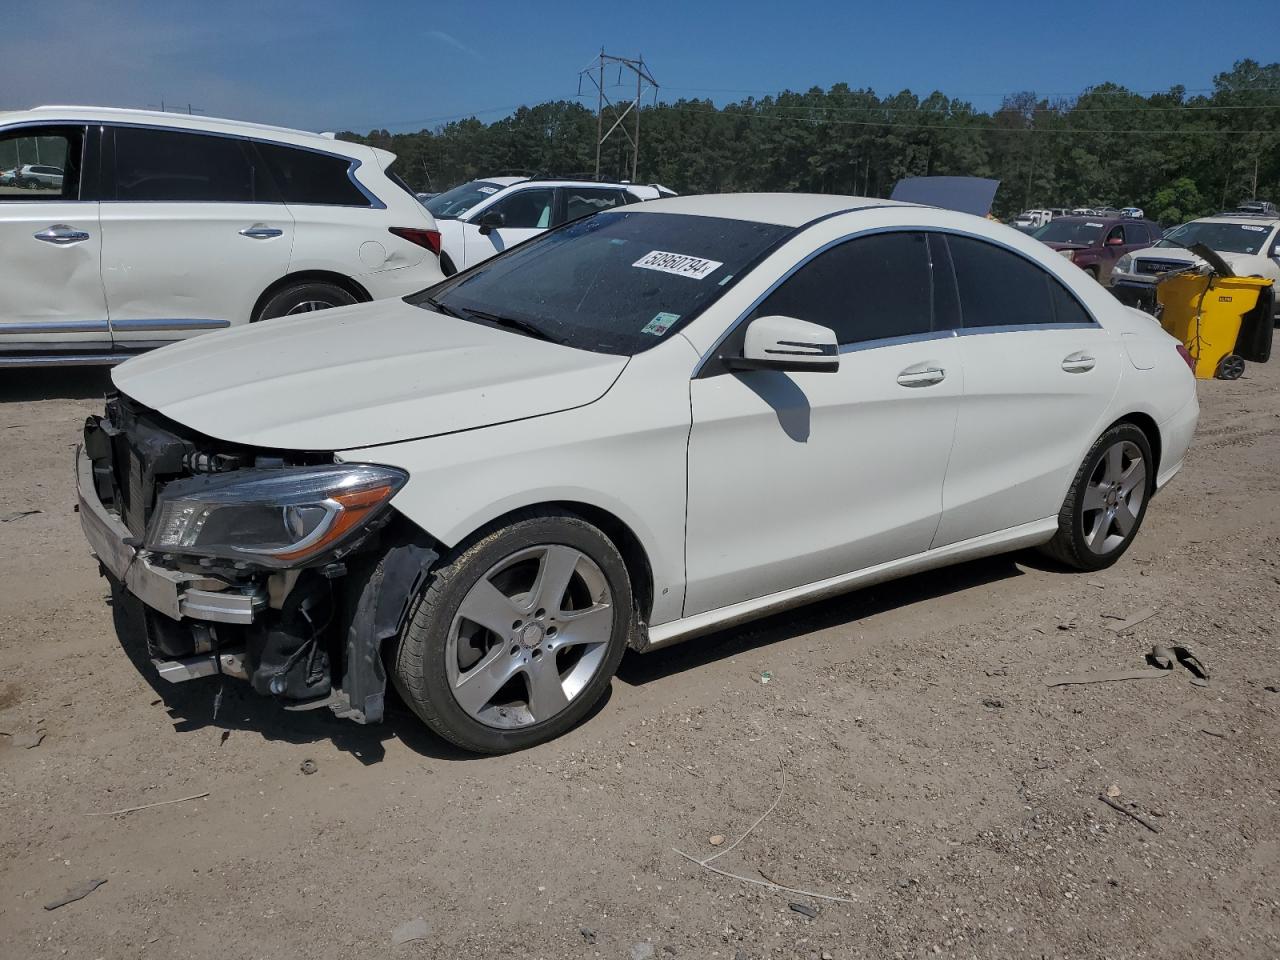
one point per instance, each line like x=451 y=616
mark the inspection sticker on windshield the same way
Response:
x=487 y=189
x=660 y=323
x=681 y=264
x=1251 y=227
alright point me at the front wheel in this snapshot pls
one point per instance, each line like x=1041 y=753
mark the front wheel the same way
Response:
x=516 y=638
x=1107 y=501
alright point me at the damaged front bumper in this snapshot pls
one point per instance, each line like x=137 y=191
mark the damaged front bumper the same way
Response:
x=171 y=592
x=311 y=636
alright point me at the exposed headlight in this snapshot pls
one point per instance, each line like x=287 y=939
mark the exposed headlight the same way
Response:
x=279 y=517
x=1124 y=264
x=1069 y=254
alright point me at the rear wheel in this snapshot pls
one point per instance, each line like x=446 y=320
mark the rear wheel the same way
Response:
x=304 y=298
x=516 y=638
x=1107 y=501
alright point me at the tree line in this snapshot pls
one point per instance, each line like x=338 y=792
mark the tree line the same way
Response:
x=1174 y=154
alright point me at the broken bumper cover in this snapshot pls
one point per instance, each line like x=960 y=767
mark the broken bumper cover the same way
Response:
x=173 y=593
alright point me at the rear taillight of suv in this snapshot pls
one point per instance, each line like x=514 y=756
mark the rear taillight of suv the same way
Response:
x=1185 y=354
x=423 y=238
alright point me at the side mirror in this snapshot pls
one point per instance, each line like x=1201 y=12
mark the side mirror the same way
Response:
x=786 y=343
x=1115 y=242
x=490 y=221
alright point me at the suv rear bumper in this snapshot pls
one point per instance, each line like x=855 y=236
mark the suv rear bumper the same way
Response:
x=171 y=592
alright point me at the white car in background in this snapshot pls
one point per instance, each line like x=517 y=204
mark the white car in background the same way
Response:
x=159 y=226
x=660 y=421
x=1249 y=242
x=484 y=217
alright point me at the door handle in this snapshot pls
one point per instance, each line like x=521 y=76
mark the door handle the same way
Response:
x=1080 y=362
x=260 y=231
x=921 y=377
x=60 y=235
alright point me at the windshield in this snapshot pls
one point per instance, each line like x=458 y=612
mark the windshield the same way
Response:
x=1070 y=231
x=1221 y=237
x=452 y=204
x=617 y=282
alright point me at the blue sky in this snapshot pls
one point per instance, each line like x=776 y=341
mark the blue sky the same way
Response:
x=404 y=65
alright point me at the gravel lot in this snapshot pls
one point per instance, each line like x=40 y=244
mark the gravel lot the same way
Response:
x=928 y=775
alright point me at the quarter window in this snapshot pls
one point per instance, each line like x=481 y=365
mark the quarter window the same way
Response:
x=40 y=163
x=999 y=288
x=181 y=167
x=307 y=177
x=526 y=209
x=870 y=288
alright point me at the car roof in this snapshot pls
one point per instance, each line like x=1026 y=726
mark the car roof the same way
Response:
x=182 y=121
x=783 y=209
x=1253 y=219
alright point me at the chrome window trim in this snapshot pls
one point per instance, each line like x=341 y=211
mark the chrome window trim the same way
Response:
x=709 y=355
x=894 y=341
x=353 y=164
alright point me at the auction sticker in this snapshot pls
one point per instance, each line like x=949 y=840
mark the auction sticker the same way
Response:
x=660 y=323
x=681 y=264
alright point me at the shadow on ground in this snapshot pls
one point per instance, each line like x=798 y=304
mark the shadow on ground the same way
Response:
x=638 y=669
x=196 y=704
x=54 y=383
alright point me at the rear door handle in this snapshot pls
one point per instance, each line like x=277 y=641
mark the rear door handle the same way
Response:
x=260 y=231
x=921 y=376
x=1079 y=362
x=60 y=234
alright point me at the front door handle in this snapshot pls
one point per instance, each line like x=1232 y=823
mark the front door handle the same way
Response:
x=260 y=231
x=60 y=235
x=921 y=376
x=1079 y=362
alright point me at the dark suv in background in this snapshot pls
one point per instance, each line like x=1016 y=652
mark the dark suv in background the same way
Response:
x=1094 y=244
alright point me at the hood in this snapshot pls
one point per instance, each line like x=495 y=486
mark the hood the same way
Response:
x=1057 y=245
x=360 y=376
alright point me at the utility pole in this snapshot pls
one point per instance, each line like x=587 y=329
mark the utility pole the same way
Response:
x=618 y=111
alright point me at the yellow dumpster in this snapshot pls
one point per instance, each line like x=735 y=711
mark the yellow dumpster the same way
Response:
x=1219 y=319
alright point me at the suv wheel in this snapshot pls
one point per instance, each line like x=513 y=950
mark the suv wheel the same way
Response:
x=1107 y=501
x=304 y=298
x=516 y=638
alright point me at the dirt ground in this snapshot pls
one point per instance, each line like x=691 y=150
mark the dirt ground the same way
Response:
x=927 y=774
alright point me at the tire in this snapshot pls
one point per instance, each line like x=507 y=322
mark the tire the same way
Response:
x=1098 y=521
x=304 y=298
x=537 y=674
x=1230 y=367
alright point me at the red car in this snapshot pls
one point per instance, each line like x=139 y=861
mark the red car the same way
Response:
x=1094 y=244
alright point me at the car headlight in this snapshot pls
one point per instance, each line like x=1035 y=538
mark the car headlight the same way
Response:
x=276 y=517
x=1069 y=254
x=1124 y=264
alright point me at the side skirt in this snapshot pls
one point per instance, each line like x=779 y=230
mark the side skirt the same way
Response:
x=686 y=628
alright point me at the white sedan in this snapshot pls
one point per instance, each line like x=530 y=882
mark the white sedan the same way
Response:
x=644 y=426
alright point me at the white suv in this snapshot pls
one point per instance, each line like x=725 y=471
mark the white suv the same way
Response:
x=160 y=226
x=484 y=217
x=1248 y=241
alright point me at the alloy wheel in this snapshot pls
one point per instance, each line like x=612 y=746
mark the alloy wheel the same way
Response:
x=1114 y=496
x=529 y=636
x=306 y=306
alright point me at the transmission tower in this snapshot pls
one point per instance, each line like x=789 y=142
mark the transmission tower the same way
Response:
x=618 y=112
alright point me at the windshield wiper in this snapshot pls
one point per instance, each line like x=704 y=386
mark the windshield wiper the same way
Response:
x=439 y=307
x=512 y=323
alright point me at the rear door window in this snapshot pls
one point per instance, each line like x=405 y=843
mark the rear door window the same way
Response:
x=310 y=177
x=869 y=288
x=181 y=167
x=581 y=202
x=998 y=288
x=40 y=163
x=1136 y=233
